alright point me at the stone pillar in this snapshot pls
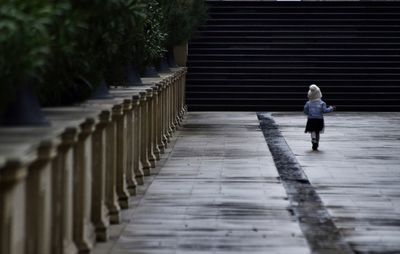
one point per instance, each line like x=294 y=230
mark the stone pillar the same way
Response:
x=182 y=94
x=164 y=135
x=38 y=201
x=62 y=190
x=169 y=113
x=180 y=106
x=100 y=214
x=130 y=175
x=156 y=120
x=111 y=168
x=185 y=108
x=173 y=85
x=144 y=134
x=84 y=235
x=12 y=207
x=136 y=137
x=160 y=123
x=176 y=100
x=121 y=186
x=150 y=126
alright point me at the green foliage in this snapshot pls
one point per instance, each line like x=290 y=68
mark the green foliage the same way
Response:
x=154 y=36
x=58 y=41
x=150 y=37
x=91 y=39
x=111 y=28
x=182 y=19
x=24 y=42
x=66 y=60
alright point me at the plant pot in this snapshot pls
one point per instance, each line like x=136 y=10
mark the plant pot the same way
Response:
x=101 y=92
x=24 y=109
x=171 y=59
x=79 y=90
x=132 y=76
x=181 y=53
x=163 y=65
x=151 y=72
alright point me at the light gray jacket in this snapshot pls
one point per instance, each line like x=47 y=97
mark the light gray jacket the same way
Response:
x=316 y=109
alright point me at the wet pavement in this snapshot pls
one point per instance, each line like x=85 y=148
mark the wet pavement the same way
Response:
x=315 y=221
x=219 y=191
x=356 y=173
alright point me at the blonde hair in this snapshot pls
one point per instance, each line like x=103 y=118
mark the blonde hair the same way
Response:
x=314 y=93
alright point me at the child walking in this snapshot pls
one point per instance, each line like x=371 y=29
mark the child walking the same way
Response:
x=315 y=109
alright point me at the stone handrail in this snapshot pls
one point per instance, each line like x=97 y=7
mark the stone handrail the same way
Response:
x=62 y=186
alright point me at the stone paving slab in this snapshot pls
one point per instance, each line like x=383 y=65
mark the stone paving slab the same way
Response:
x=218 y=192
x=356 y=173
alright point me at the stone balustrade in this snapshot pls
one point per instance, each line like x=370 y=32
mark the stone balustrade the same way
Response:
x=62 y=186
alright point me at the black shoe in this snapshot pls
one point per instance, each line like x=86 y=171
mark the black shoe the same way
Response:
x=315 y=146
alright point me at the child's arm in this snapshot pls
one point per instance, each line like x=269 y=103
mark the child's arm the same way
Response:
x=326 y=109
x=306 y=108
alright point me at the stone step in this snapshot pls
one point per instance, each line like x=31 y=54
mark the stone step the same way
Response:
x=291 y=57
x=395 y=38
x=304 y=8
x=305 y=21
x=294 y=69
x=296 y=51
x=293 y=63
x=308 y=27
x=298 y=75
x=298 y=15
x=267 y=95
x=336 y=5
x=292 y=45
x=270 y=104
x=234 y=106
x=298 y=103
x=298 y=32
x=299 y=88
x=250 y=51
x=293 y=81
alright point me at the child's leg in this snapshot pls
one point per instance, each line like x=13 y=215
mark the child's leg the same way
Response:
x=314 y=137
x=314 y=140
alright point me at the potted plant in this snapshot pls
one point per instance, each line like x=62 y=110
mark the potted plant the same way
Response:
x=198 y=14
x=65 y=78
x=183 y=17
x=153 y=38
x=24 y=50
x=92 y=42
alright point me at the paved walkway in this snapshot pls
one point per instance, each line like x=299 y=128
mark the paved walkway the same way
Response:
x=219 y=191
x=356 y=173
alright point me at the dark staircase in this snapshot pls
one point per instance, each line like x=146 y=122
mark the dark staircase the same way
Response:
x=263 y=55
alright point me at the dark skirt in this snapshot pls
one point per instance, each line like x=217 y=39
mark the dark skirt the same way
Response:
x=315 y=125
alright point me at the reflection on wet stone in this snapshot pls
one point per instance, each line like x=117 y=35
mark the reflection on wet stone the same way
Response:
x=315 y=221
x=219 y=192
x=356 y=174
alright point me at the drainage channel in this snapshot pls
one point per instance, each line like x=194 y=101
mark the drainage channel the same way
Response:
x=317 y=225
